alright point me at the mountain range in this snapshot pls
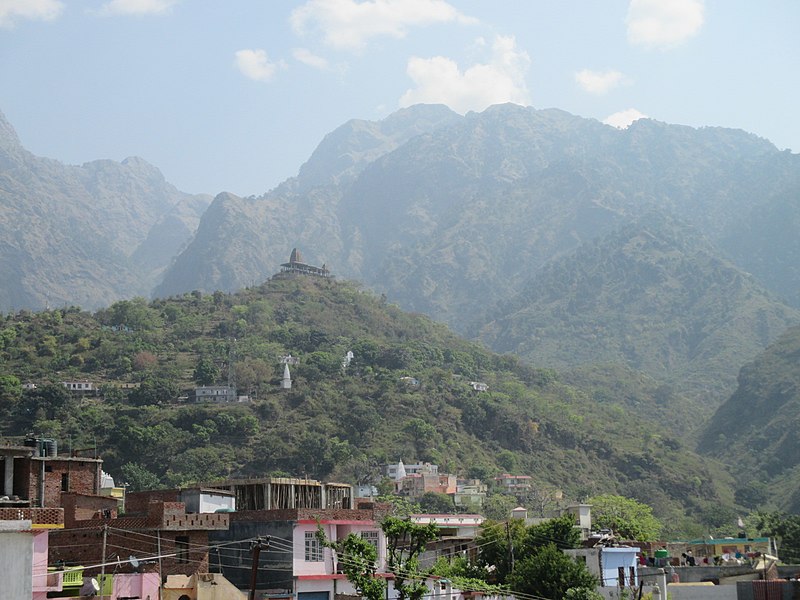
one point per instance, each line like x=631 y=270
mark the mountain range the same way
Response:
x=647 y=264
x=461 y=218
x=85 y=235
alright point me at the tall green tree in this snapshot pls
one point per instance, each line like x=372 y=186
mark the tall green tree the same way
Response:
x=437 y=503
x=628 y=518
x=560 y=531
x=786 y=529
x=206 y=371
x=405 y=541
x=357 y=558
x=549 y=573
x=499 y=544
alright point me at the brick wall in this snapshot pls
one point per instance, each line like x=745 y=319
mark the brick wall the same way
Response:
x=79 y=507
x=374 y=512
x=80 y=476
x=138 y=502
x=85 y=547
x=37 y=516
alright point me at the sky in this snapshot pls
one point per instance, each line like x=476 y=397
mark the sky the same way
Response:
x=235 y=95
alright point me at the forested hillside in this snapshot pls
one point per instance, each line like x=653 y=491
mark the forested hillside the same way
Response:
x=336 y=421
x=453 y=216
x=652 y=295
x=756 y=429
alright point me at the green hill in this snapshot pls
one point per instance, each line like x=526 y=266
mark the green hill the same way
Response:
x=755 y=431
x=653 y=295
x=335 y=422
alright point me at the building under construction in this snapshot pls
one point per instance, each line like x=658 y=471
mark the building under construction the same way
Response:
x=272 y=493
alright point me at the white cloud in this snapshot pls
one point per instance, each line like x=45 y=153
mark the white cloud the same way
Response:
x=137 y=7
x=348 y=24
x=439 y=80
x=598 y=82
x=623 y=118
x=308 y=58
x=256 y=65
x=42 y=10
x=663 y=23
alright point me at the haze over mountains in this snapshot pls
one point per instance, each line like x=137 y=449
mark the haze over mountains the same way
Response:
x=664 y=247
x=85 y=235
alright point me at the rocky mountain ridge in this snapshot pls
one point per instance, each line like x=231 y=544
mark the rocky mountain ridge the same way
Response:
x=85 y=235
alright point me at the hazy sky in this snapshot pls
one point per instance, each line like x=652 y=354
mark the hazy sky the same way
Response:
x=234 y=95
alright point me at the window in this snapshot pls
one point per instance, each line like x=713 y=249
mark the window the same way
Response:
x=313 y=547
x=182 y=548
x=371 y=537
x=65 y=482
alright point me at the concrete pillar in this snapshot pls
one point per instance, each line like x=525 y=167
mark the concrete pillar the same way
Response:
x=8 y=479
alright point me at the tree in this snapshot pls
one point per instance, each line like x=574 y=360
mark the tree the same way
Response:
x=437 y=503
x=784 y=527
x=156 y=390
x=206 y=371
x=549 y=573
x=357 y=558
x=498 y=507
x=626 y=517
x=560 y=531
x=401 y=506
x=497 y=543
x=405 y=541
x=137 y=478
x=10 y=393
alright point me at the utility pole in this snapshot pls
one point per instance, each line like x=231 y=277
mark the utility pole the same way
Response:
x=103 y=566
x=510 y=547
x=160 y=571
x=255 y=548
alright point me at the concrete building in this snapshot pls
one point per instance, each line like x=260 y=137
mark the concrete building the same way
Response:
x=271 y=493
x=514 y=484
x=214 y=393
x=24 y=535
x=295 y=564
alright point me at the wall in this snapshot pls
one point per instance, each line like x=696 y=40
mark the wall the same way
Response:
x=702 y=592
x=138 y=502
x=16 y=557
x=746 y=591
x=84 y=547
x=79 y=507
x=136 y=585
x=236 y=558
x=83 y=474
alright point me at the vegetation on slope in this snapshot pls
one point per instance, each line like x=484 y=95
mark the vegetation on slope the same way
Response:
x=336 y=422
x=756 y=429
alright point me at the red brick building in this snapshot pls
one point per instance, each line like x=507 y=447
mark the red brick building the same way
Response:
x=36 y=476
x=165 y=528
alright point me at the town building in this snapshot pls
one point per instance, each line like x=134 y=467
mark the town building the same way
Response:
x=213 y=393
x=272 y=493
x=35 y=475
x=154 y=525
x=293 y=562
x=514 y=484
x=80 y=387
x=469 y=495
x=24 y=536
x=614 y=567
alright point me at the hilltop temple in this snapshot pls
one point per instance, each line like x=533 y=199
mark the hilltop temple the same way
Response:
x=296 y=265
